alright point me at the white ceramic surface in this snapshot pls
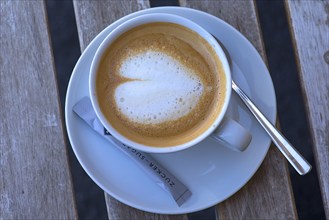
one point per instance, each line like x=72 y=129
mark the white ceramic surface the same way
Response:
x=212 y=172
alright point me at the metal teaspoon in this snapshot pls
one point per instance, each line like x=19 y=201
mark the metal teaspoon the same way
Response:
x=291 y=154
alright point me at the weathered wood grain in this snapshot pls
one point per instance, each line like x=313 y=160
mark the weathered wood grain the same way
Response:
x=92 y=17
x=117 y=210
x=268 y=195
x=35 y=182
x=309 y=23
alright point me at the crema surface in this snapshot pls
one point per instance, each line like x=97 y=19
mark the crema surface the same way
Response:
x=160 y=84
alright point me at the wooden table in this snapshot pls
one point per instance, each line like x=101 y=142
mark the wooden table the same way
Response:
x=35 y=175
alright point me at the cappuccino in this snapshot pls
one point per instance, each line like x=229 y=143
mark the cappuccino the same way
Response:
x=160 y=84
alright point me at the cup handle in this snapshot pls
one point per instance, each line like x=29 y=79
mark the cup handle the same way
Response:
x=232 y=134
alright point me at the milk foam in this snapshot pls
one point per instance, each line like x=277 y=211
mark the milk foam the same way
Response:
x=162 y=89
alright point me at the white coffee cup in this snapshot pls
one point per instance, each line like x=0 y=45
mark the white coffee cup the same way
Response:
x=223 y=129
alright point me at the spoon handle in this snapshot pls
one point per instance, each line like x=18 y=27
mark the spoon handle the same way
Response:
x=292 y=155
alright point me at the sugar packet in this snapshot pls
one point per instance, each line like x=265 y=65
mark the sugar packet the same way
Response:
x=179 y=192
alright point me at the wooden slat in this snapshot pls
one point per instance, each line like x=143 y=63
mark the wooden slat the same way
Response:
x=268 y=195
x=35 y=182
x=309 y=23
x=117 y=210
x=92 y=17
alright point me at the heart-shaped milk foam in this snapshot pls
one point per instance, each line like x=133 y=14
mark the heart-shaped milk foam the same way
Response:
x=162 y=89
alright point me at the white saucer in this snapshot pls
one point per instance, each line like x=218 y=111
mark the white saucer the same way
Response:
x=213 y=173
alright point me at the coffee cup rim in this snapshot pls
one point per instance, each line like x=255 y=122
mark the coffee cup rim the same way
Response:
x=135 y=22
